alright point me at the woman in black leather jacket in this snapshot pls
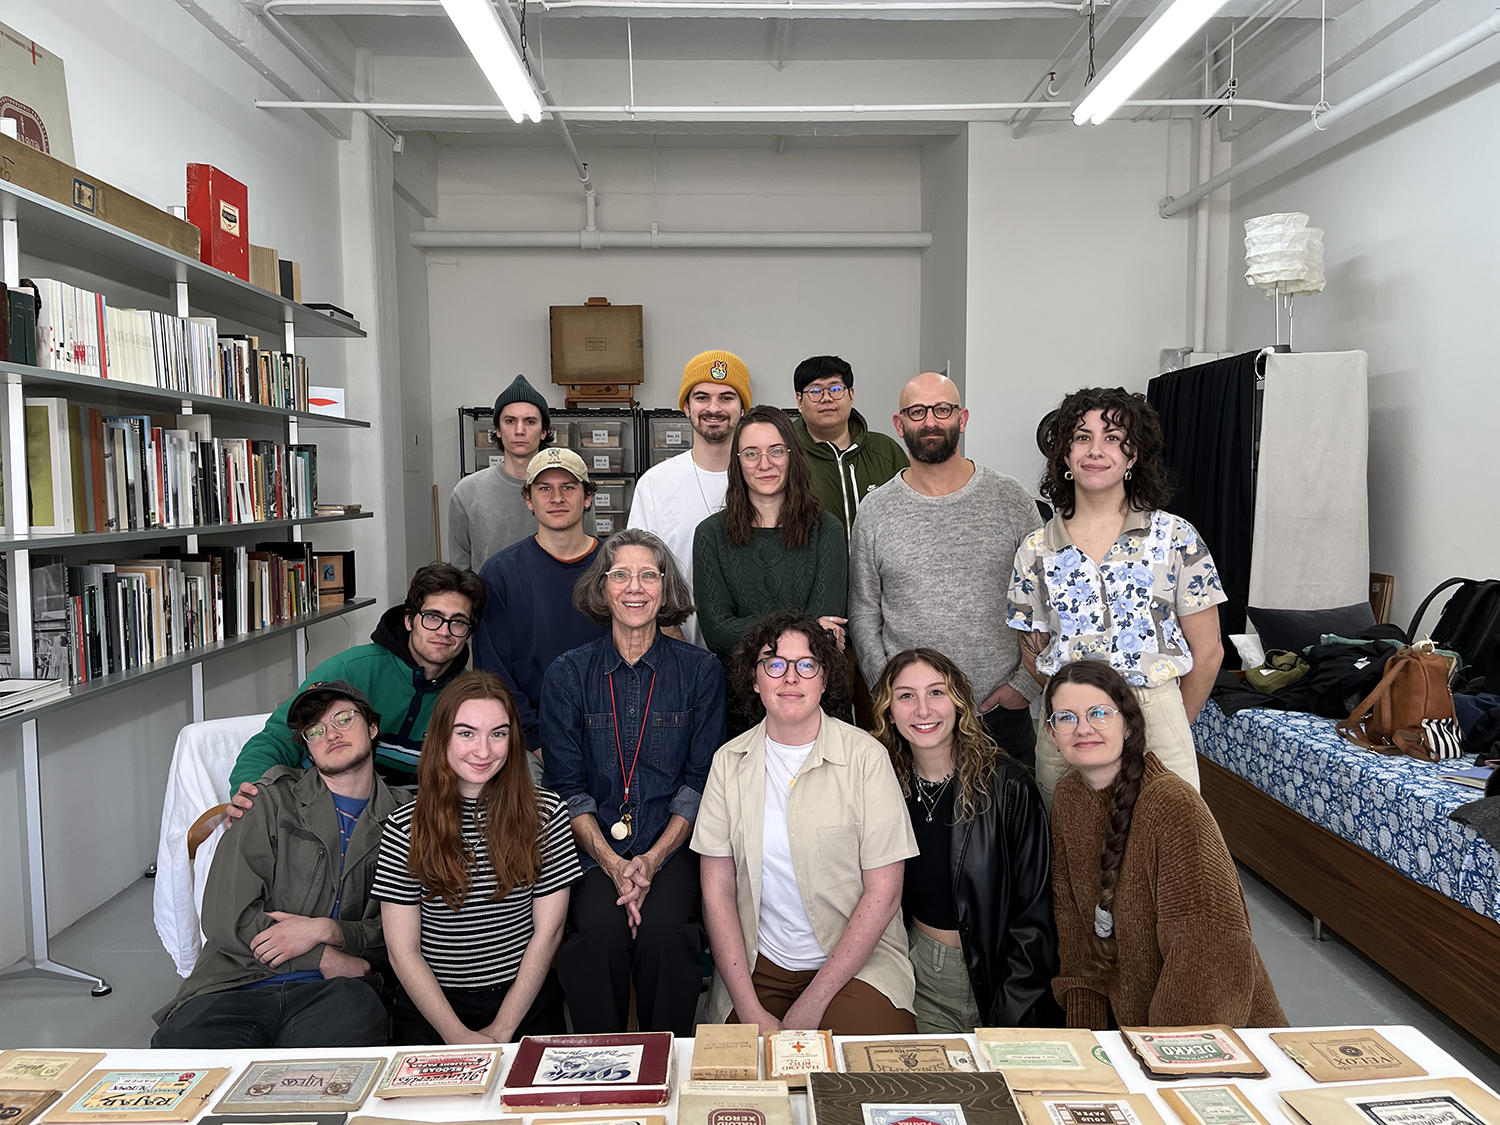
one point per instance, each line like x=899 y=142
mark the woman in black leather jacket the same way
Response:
x=978 y=899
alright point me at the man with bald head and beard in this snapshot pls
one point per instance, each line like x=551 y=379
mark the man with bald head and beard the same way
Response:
x=930 y=562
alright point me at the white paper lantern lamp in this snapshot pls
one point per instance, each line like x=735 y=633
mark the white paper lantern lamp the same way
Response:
x=1283 y=258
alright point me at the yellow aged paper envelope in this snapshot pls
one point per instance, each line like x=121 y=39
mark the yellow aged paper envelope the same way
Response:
x=45 y=1070
x=1044 y=1059
x=1422 y=1101
x=1346 y=1056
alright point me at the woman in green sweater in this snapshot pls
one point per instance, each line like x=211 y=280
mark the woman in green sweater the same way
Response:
x=773 y=546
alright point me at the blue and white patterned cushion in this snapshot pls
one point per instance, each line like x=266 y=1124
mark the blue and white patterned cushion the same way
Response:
x=1396 y=808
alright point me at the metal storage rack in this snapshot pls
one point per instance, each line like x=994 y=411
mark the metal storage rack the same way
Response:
x=57 y=234
x=615 y=444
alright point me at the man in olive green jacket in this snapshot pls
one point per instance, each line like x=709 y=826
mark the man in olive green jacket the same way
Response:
x=848 y=461
x=291 y=927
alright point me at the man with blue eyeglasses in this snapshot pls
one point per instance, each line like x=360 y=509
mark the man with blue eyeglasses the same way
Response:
x=848 y=461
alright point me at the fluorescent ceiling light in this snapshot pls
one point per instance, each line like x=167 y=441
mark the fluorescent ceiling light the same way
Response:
x=495 y=52
x=1154 y=43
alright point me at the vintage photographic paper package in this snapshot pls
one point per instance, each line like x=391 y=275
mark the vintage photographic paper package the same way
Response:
x=1081 y=1109
x=439 y=1073
x=1429 y=1101
x=1212 y=1105
x=1344 y=1056
x=1036 y=1060
x=139 y=1095
x=907 y=1056
x=313 y=1086
x=1192 y=1052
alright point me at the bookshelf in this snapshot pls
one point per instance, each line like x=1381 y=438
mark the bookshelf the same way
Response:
x=60 y=236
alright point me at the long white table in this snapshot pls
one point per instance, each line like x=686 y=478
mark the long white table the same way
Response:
x=1283 y=1075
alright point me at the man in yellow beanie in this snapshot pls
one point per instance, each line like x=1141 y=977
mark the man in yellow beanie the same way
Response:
x=677 y=495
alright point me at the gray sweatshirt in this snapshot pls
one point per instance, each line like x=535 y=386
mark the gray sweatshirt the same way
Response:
x=486 y=513
x=934 y=571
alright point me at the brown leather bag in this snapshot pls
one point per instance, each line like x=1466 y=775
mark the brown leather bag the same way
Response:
x=1413 y=689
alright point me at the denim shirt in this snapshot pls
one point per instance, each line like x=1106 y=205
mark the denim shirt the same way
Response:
x=683 y=729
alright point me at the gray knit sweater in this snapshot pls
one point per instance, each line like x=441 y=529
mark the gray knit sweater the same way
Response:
x=934 y=571
x=486 y=514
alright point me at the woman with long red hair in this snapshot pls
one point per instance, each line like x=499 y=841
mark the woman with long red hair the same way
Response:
x=474 y=879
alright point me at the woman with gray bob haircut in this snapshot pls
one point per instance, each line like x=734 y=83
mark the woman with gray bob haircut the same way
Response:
x=630 y=723
x=591 y=595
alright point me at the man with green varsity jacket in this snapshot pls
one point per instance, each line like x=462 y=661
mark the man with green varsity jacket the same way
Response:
x=848 y=462
x=416 y=650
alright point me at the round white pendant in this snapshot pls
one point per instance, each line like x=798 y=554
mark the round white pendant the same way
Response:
x=618 y=830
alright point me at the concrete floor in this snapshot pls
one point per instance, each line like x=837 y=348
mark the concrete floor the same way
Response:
x=1318 y=982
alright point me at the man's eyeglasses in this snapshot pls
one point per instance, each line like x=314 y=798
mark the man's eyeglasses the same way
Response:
x=777 y=667
x=457 y=626
x=1066 y=722
x=318 y=731
x=622 y=577
x=752 y=456
x=942 y=411
x=834 y=392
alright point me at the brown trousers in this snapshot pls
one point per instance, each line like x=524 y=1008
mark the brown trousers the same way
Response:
x=856 y=1009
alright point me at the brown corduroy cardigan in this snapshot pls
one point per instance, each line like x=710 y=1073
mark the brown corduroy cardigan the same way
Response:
x=1185 y=954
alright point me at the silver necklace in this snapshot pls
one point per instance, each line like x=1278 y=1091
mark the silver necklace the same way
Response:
x=930 y=793
x=698 y=480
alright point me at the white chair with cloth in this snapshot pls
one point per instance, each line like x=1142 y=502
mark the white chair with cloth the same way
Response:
x=198 y=783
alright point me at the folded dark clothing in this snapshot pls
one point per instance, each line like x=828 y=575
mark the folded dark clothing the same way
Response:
x=1469 y=708
x=1483 y=816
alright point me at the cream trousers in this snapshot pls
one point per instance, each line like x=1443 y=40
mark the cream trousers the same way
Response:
x=1168 y=735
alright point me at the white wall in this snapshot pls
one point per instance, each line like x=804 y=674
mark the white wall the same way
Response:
x=1412 y=238
x=945 y=264
x=149 y=91
x=1073 y=278
x=489 y=308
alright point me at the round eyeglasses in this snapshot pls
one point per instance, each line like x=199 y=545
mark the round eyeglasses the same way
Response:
x=942 y=411
x=777 y=667
x=752 y=456
x=319 y=731
x=457 y=626
x=1066 y=722
x=834 y=392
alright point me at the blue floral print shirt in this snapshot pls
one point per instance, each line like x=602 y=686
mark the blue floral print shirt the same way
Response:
x=1124 y=610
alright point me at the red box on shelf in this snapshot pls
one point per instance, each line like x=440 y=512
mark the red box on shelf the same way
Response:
x=217 y=206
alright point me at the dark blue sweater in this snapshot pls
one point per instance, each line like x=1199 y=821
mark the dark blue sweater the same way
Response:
x=529 y=621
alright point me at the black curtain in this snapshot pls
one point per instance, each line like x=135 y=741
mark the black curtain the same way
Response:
x=1208 y=420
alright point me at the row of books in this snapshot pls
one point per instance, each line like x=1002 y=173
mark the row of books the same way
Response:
x=112 y=615
x=78 y=331
x=93 y=472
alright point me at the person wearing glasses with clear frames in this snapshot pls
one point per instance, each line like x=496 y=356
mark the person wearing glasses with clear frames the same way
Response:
x=294 y=938
x=848 y=460
x=930 y=563
x=803 y=838
x=1152 y=927
x=631 y=722
x=416 y=650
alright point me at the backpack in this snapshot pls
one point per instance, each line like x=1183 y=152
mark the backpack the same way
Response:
x=1470 y=626
x=1410 y=711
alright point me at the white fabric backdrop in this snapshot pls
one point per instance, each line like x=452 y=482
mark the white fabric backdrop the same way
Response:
x=1312 y=521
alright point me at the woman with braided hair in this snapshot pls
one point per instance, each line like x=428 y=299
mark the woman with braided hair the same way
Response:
x=1151 y=922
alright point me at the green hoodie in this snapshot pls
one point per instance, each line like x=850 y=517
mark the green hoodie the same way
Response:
x=396 y=686
x=842 y=478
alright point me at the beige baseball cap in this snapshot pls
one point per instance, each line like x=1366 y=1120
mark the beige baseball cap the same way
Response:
x=555 y=458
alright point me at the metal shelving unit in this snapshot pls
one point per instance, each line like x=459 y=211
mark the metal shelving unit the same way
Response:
x=58 y=234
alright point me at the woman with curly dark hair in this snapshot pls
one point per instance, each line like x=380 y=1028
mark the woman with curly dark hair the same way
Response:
x=1151 y=921
x=804 y=839
x=1114 y=577
x=978 y=898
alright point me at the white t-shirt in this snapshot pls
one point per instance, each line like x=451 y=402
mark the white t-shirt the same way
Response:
x=671 y=500
x=786 y=935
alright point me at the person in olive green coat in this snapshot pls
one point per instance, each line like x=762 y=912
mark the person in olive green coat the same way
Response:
x=294 y=940
x=847 y=460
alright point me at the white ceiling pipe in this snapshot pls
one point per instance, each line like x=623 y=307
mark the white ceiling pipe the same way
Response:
x=418 y=109
x=1390 y=83
x=785 y=8
x=670 y=240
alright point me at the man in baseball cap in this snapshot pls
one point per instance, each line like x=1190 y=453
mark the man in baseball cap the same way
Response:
x=486 y=512
x=273 y=978
x=529 y=618
x=674 y=497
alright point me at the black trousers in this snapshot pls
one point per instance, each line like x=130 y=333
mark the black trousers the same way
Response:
x=1015 y=733
x=599 y=958
x=476 y=1008
x=342 y=1012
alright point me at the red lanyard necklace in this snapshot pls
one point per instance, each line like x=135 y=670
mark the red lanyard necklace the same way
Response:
x=623 y=827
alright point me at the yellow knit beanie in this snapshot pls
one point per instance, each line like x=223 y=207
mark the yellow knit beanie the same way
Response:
x=715 y=367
